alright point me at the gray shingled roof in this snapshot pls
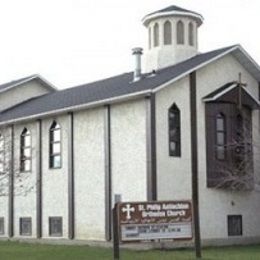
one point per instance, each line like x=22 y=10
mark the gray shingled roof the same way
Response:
x=104 y=89
x=173 y=8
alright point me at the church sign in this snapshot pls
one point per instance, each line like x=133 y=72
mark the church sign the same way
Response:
x=155 y=220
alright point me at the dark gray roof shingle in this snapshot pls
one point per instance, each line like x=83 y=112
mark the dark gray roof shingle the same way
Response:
x=104 y=89
x=173 y=8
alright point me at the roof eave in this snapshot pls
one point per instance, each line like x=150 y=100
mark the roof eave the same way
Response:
x=33 y=77
x=199 y=18
x=94 y=104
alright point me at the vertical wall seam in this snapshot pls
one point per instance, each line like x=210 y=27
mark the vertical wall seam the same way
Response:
x=71 y=195
x=194 y=158
x=151 y=160
x=39 y=183
x=153 y=146
x=11 y=188
x=108 y=172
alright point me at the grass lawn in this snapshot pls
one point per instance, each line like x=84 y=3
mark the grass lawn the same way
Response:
x=24 y=251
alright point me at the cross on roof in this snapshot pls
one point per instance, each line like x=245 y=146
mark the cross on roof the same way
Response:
x=240 y=87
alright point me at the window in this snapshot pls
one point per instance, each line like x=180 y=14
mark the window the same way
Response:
x=191 y=34
x=55 y=146
x=156 y=35
x=2 y=154
x=235 y=225
x=167 y=33
x=26 y=151
x=180 y=32
x=25 y=226
x=220 y=137
x=174 y=131
x=150 y=38
x=2 y=226
x=55 y=226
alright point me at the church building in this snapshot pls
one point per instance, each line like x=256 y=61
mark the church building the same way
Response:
x=65 y=154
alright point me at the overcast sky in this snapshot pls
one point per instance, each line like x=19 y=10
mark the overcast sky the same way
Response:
x=72 y=42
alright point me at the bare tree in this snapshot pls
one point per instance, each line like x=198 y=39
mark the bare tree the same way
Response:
x=237 y=171
x=10 y=164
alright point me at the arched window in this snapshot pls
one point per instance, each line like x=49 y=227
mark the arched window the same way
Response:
x=2 y=154
x=55 y=146
x=191 y=34
x=167 y=33
x=220 y=136
x=156 y=35
x=149 y=38
x=180 y=32
x=174 y=118
x=26 y=151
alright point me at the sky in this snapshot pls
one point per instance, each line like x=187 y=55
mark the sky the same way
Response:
x=72 y=42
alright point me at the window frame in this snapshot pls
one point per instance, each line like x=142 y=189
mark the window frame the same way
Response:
x=2 y=225
x=55 y=234
x=2 y=154
x=156 y=35
x=222 y=116
x=23 y=158
x=230 y=231
x=167 y=35
x=149 y=38
x=180 y=33
x=191 y=33
x=177 y=127
x=52 y=142
x=29 y=220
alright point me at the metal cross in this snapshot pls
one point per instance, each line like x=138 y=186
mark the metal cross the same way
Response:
x=128 y=209
x=240 y=87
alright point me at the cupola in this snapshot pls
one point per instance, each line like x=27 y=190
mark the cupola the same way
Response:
x=172 y=36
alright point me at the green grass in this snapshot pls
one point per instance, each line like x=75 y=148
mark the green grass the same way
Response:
x=24 y=251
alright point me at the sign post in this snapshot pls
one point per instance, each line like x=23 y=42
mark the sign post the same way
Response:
x=116 y=233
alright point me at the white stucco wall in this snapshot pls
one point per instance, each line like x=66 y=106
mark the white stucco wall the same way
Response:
x=21 y=93
x=89 y=174
x=128 y=151
x=24 y=183
x=215 y=205
x=55 y=181
x=173 y=173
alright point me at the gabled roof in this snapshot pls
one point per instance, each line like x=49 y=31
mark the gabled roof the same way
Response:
x=9 y=85
x=118 y=88
x=170 y=11
x=230 y=93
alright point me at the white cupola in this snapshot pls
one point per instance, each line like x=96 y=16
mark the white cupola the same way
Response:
x=172 y=37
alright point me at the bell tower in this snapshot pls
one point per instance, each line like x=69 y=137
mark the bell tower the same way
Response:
x=172 y=37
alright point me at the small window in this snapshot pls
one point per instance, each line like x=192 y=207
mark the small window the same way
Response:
x=235 y=225
x=2 y=226
x=191 y=34
x=2 y=154
x=150 y=38
x=220 y=137
x=55 y=146
x=26 y=151
x=156 y=35
x=167 y=33
x=174 y=131
x=180 y=32
x=55 y=226
x=25 y=226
